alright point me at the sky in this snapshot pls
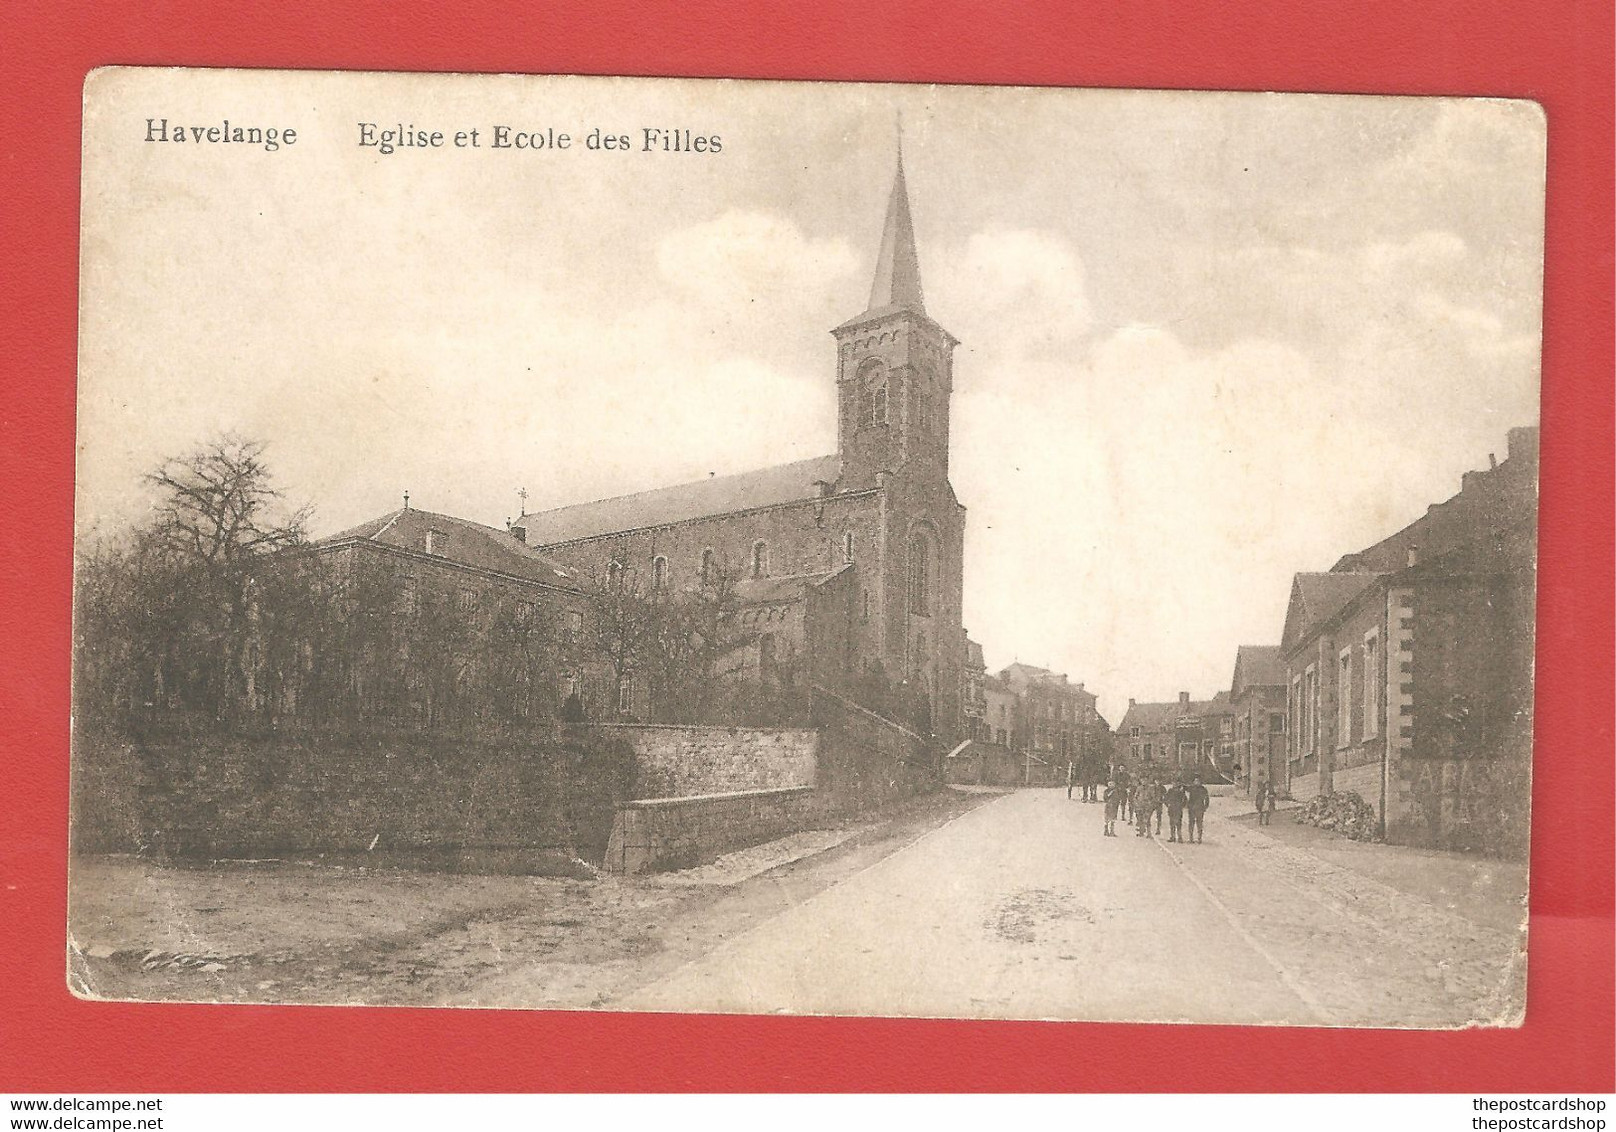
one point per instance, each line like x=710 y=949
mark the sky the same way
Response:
x=1207 y=340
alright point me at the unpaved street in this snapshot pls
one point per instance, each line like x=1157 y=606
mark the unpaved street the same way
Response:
x=1021 y=909
x=962 y=904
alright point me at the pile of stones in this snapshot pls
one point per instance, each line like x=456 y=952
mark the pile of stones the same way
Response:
x=1346 y=813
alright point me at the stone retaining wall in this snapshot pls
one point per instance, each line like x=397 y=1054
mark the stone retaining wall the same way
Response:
x=679 y=760
x=438 y=799
x=675 y=833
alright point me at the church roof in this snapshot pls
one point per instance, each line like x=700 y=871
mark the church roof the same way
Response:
x=775 y=590
x=716 y=495
x=462 y=541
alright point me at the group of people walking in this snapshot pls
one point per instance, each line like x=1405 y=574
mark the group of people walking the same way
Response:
x=1141 y=800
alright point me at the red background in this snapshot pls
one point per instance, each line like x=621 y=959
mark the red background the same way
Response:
x=1558 y=52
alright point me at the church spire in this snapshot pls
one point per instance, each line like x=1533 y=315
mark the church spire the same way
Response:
x=897 y=267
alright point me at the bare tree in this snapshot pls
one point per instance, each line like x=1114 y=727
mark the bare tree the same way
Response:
x=174 y=599
x=623 y=624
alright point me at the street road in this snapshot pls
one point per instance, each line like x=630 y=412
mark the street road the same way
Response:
x=1022 y=909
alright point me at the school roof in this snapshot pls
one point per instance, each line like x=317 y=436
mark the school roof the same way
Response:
x=458 y=540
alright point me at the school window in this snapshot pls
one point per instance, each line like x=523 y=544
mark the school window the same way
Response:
x=524 y=613
x=468 y=601
x=1149 y=750
x=408 y=599
x=1294 y=711
x=659 y=573
x=709 y=566
x=614 y=572
x=625 y=695
x=760 y=559
x=847 y=547
x=1310 y=710
x=1343 y=698
x=1371 y=682
x=1133 y=732
x=575 y=625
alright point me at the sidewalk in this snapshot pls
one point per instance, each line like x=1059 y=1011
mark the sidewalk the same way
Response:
x=1484 y=890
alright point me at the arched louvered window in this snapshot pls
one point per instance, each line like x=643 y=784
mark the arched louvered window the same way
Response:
x=872 y=385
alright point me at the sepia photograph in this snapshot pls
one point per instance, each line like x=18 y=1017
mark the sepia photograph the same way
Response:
x=713 y=546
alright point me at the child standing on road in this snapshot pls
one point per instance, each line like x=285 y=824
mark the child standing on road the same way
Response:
x=1113 y=796
x=1265 y=800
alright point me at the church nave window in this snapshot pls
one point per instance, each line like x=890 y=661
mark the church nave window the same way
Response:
x=659 y=573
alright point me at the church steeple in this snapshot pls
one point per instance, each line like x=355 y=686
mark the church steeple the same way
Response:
x=894 y=371
x=897 y=266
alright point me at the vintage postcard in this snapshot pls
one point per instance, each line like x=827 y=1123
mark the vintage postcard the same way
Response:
x=711 y=546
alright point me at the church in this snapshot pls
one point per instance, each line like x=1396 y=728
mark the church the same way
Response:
x=854 y=558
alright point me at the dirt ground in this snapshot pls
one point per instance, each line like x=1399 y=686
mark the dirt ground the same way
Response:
x=315 y=932
x=1484 y=890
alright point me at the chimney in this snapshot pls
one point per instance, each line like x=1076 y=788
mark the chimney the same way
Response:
x=1183 y=699
x=1492 y=462
x=1130 y=701
x=520 y=533
x=1080 y=685
x=1523 y=442
x=1414 y=555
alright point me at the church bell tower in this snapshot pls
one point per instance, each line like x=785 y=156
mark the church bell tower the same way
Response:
x=894 y=369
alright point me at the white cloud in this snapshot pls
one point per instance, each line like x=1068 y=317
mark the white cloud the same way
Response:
x=741 y=259
x=1016 y=292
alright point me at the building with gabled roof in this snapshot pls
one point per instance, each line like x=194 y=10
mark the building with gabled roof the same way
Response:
x=1409 y=666
x=1180 y=737
x=431 y=617
x=1257 y=698
x=1055 y=719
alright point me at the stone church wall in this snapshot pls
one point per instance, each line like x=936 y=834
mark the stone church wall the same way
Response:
x=802 y=538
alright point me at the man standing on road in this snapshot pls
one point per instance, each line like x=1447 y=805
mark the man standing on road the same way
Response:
x=1071 y=773
x=1196 y=800
x=1265 y=800
x=1113 y=797
x=1174 y=800
x=1125 y=805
